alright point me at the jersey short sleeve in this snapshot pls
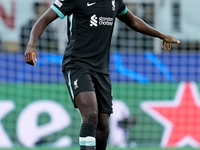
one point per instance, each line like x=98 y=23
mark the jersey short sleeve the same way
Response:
x=123 y=9
x=63 y=7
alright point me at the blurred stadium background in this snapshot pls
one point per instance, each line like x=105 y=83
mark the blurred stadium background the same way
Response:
x=156 y=92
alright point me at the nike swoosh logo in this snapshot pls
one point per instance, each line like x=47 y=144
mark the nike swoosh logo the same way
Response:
x=90 y=4
x=90 y=143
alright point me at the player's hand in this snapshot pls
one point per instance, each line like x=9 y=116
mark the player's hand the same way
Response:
x=168 y=41
x=30 y=56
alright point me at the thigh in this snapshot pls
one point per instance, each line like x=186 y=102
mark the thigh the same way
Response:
x=78 y=81
x=104 y=93
x=88 y=107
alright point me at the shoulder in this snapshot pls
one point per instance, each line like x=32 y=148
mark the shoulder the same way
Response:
x=60 y=3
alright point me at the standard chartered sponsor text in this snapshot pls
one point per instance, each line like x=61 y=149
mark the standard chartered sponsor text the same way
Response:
x=106 y=21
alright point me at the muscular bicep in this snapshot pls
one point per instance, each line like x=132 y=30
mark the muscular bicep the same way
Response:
x=128 y=18
x=48 y=16
x=41 y=24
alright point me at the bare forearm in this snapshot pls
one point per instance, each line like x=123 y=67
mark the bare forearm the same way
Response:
x=36 y=32
x=140 y=26
x=30 y=55
x=40 y=26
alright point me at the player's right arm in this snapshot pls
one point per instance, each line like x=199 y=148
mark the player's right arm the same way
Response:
x=30 y=55
x=139 y=25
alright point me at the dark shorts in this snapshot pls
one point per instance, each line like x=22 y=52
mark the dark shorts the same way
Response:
x=81 y=80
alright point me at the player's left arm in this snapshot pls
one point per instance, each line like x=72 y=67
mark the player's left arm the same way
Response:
x=139 y=25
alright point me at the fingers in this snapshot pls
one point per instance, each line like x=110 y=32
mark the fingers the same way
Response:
x=176 y=41
x=170 y=46
x=30 y=58
x=163 y=44
x=35 y=56
x=166 y=45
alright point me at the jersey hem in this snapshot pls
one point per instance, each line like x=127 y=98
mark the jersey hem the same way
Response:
x=85 y=67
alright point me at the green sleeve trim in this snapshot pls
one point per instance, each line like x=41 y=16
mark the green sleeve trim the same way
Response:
x=123 y=12
x=58 y=12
